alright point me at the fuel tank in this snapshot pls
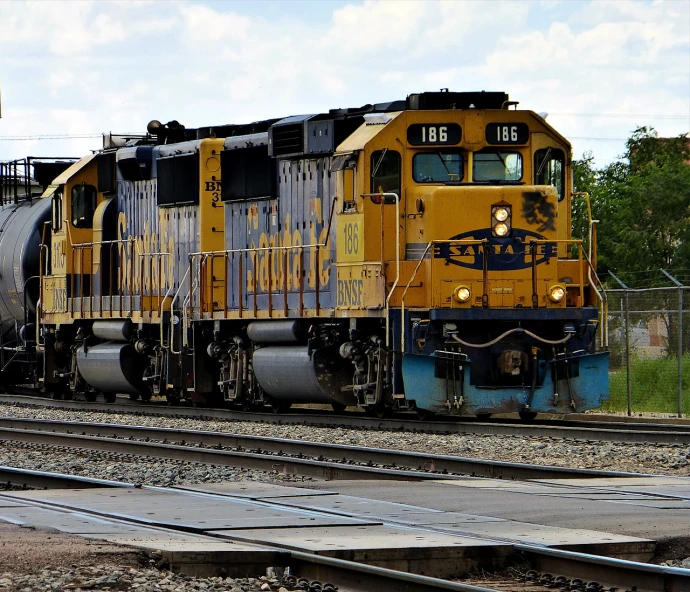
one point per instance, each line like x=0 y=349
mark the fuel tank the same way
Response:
x=292 y=374
x=112 y=368
x=21 y=227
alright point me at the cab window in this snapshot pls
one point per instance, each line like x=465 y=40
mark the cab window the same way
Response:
x=549 y=169
x=497 y=165
x=437 y=167
x=57 y=210
x=83 y=205
x=385 y=171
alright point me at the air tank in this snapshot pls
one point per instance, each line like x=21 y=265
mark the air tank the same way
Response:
x=21 y=227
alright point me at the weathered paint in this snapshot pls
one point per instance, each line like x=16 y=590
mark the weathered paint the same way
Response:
x=436 y=394
x=275 y=235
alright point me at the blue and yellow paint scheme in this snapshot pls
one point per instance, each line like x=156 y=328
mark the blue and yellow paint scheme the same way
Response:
x=413 y=255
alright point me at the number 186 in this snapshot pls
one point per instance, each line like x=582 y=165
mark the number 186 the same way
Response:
x=506 y=133
x=433 y=134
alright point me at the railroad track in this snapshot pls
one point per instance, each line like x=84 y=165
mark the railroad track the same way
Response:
x=314 y=459
x=588 y=430
x=596 y=571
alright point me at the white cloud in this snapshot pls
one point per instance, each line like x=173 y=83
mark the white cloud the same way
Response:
x=113 y=66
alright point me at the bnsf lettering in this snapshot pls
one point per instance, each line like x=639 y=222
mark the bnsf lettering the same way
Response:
x=350 y=292
x=59 y=299
x=214 y=188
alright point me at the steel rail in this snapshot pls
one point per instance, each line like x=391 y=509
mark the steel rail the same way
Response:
x=579 y=429
x=326 y=460
x=606 y=570
x=360 y=577
x=29 y=479
x=311 y=467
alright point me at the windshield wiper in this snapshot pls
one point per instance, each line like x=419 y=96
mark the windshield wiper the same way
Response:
x=543 y=162
x=443 y=162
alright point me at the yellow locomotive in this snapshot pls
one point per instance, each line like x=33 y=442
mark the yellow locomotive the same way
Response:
x=411 y=255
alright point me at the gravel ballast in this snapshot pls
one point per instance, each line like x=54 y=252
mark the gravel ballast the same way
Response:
x=35 y=560
x=638 y=458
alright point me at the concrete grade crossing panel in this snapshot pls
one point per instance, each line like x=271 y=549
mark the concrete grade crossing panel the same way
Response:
x=275 y=520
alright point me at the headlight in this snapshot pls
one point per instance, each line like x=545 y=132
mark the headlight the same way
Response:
x=462 y=293
x=556 y=293
x=501 y=214
x=501 y=220
x=501 y=229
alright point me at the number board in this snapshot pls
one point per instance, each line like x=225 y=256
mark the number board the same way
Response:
x=434 y=133
x=507 y=133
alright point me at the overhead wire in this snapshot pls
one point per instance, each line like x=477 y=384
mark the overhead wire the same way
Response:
x=50 y=137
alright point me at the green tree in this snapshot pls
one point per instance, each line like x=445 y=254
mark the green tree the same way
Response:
x=642 y=202
x=654 y=225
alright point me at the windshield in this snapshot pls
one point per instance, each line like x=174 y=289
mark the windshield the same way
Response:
x=437 y=167
x=497 y=165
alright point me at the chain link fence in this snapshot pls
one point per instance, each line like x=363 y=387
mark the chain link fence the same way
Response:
x=649 y=341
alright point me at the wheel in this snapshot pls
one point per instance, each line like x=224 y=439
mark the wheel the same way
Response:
x=280 y=406
x=483 y=416
x=382 y=411
x=62 y=394
x=90 y=397
x=527 y=415
x=133 y=396
x=338 y=407
x=146 y=397
x=425 y=414
x=109 y=397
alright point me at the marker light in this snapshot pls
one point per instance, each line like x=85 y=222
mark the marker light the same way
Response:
x=462 y=293
x=556 y=293
x=501 y=214
x=501 y=229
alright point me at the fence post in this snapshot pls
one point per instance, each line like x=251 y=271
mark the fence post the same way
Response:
x=627 y=343
x=680 y=352
x=680 y=340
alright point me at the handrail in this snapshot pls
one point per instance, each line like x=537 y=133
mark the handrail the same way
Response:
x=592 y=275
x=185 y=303
x=172 y=303
x=252 y=249
x=592 y=272
x=82 y=248
x=593 y=282
x=396 y=197
x=592 y=233
x=419 y=264
x=203 y=258
x=205 y=255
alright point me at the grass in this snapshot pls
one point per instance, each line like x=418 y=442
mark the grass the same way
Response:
x=654 y=386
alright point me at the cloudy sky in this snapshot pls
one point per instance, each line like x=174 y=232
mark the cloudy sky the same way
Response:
x=70 y=71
